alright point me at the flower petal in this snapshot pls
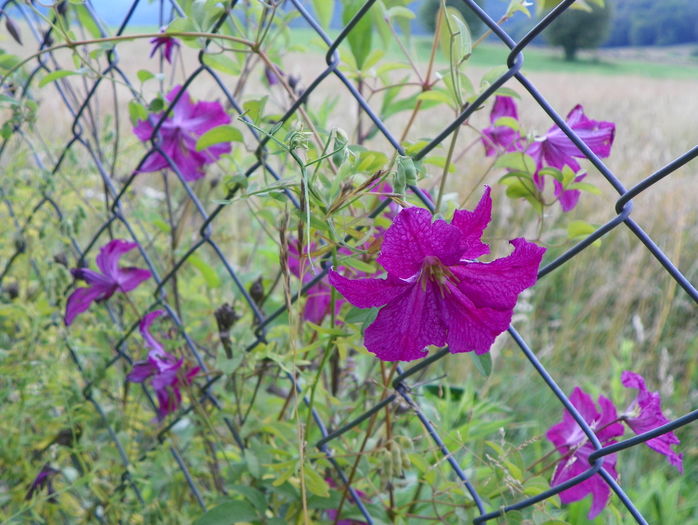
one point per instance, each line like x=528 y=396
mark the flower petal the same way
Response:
x=367 y=293
x=497 y=284
x=595 y=485
x=206 y=115
x=109 y=255
x=408 y=324
x=568 y=198
x=472 y=224
x=81 y=299
x=568 y=433
x=471 y=328
x=608 y=425
x=144 y=328
x=650 y=417
x=412 y=237
x=503 y=107
x=141 y=371
x=130 y=278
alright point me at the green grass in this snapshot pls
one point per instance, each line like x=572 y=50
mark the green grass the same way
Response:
x=546 y=59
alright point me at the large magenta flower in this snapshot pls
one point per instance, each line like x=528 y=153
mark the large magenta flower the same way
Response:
x=435 y=293
x=575 y=448
x=179 y=133
x=167 y=43
x=165 y=369
x=104 y=285
x=503 y=137
x=555 y=149
x=645 y=414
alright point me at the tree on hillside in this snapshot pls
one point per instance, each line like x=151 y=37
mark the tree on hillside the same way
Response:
x=431 y=7
x=577 y=29
x=647 y=22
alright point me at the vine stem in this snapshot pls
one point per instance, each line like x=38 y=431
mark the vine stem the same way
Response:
x=447 y=164
x=369 y=430
x=71 y=44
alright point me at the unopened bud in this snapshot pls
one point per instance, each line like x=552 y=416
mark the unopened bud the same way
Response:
x=257 y=292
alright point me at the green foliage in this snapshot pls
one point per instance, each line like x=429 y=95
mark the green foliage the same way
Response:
x=488 y=410
x=430 y=8
x=579 y=29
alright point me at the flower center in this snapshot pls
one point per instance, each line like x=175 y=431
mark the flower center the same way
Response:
x=433 y=270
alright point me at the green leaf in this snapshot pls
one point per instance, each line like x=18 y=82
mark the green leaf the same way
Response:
x=254 y=109
x=207 y=272
x=584 y=186
x=509 y=122
x=517 y=161
x=361 y=315
x=400 y=11
x=454 y=36
x=235 y=511
x=217 y=135
x=144 y=75
x=61 y=73
x=580 y=229
x=136 y=112
x=361 y=34
x=315 y=483
x=437 y=95
x=358 y=264
x=222 y=63
x=86 y=21
x=483 y=363
x=323 y=10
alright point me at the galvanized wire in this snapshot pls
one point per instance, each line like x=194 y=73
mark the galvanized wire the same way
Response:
x=84 y=136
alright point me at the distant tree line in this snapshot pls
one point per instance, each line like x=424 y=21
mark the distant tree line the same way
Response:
x=649 y=22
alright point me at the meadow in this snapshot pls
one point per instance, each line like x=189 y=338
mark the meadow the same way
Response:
x=611 y=308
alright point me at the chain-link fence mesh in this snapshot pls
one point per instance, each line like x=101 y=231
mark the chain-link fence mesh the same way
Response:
x=111 y=214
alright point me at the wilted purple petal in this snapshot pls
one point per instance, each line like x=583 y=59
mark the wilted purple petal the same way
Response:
x=43 y=479
x=645 y=414
x=168 y=44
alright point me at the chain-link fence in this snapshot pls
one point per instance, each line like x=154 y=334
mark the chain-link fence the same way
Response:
x=87 y=141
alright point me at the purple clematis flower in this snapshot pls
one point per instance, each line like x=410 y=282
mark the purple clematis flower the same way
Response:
x=645 y=414
x=503 y=137
x=557 y=150
x=104 y=285
x=43 y=479
x=164 y=368
x=435 y=292
x=575 y=448
x=178 y=135
x=167 y=43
